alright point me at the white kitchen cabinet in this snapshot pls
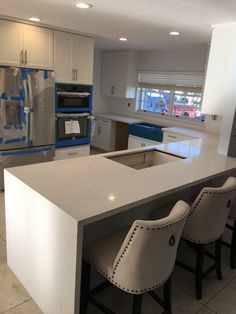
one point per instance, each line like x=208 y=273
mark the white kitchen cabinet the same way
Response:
x=175 y=137
x=73 y=58
x=119 y=76
x=104 y=134
x=26 y=45
x=70 y=152
x=140 y=142
x=83 y=59
x=38 y=47
x=11 y=43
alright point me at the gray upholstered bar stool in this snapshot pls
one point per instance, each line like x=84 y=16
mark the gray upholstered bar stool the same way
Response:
x=206 y=223
x=136 y=260
x=231 y=225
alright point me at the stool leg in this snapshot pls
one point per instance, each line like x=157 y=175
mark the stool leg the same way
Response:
x=200 y=248
x=233 y=248
x=167 y=296
x=85 y=283
x=137 y=303
x=218 y=258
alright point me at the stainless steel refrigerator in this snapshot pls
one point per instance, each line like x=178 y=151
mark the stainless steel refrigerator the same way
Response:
x=27 y=123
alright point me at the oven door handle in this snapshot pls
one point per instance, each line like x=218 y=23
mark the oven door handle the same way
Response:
x=72 y=115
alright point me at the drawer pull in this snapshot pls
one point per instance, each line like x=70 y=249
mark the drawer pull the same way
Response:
x=74 y=153
x=172 y=136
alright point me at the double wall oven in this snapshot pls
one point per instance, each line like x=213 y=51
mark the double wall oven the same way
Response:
x=73 y=114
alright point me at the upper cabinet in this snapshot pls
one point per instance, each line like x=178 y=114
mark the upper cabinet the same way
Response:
x=73 y=58
x=119 y=76
x=26 y=45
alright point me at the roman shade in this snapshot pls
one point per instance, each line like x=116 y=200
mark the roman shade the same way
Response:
x=184 y=81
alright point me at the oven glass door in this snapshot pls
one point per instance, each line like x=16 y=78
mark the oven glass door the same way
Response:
x=73 y=100
x=72 y=129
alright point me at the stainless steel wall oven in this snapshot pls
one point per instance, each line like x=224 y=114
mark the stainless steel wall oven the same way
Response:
x=73 y=98
x=73 y=129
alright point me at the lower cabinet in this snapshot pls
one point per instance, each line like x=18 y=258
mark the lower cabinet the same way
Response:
x=175 y=137
x=103 y=135
x=139 y=142
x=70 y=152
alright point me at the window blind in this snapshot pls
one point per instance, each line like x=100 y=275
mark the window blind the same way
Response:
x=191 y=81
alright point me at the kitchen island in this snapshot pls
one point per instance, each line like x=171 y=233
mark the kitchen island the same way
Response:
x=51 y=207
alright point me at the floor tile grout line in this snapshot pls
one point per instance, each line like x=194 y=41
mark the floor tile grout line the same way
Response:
x=211 y=310
x=187 y=293
x=222 y=288
x=13 y=307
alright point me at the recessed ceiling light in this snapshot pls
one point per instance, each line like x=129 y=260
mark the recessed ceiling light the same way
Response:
x=123 y=39
x=174 y=33
x=35 y=19
x=82 y=5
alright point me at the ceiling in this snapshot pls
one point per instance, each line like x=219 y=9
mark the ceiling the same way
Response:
x=146 y=23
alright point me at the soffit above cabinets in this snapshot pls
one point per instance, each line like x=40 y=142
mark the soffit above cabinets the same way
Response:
x=146 y=23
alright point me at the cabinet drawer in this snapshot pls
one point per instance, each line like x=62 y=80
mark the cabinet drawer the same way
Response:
x=103 y=121
x=139 y=142
x=172 y=137
x=70 y=152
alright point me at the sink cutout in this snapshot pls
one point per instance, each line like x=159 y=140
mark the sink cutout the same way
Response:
x=144 y=159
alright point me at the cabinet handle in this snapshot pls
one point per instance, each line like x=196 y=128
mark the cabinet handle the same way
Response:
x=113 y=90
x=71 y=154
x=76 y=74
x=172 y=136
x=26 y=57
x=73 y=74
x=99 y=130
x=21 y=57
x=142 y=145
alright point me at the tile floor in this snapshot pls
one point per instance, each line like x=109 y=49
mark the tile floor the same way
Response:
x=219 y=296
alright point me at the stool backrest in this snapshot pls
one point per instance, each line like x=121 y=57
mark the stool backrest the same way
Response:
x=209 y=213
x=232 y=213
x=147 y=255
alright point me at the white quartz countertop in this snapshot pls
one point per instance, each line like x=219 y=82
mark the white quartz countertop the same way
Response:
x=188 y=132
x=117 y=117
x=94 y=187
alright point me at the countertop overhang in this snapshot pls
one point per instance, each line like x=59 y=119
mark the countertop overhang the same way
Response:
x=93 y=187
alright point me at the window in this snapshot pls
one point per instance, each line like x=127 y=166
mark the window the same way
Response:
x=170 y=99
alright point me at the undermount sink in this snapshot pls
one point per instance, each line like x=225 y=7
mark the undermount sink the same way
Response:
x=144 y=159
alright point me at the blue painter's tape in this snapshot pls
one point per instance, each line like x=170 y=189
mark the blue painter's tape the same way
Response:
x=31 y=143
x=45 y=74
x=8 y=127
x=22 y=115
x=19 y=127
x=16 y=98
x=1 y=140
x=15 y=140
x=24 y=74
x=4 y=96
x=80 y=141
x=27 y=152
x=22 y=93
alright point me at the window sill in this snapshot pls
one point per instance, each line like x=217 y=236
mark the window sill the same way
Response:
x=170 y=118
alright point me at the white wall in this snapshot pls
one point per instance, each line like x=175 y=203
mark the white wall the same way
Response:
x=173 y=60
x=167 y=60
x=163 y=60
x=99 y=102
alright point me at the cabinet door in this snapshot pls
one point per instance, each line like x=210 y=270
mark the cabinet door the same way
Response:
x=108 y=76
x=102 y=135
x=11 y=43
x=63 y=57
x=38 y=47
x=83 y=59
